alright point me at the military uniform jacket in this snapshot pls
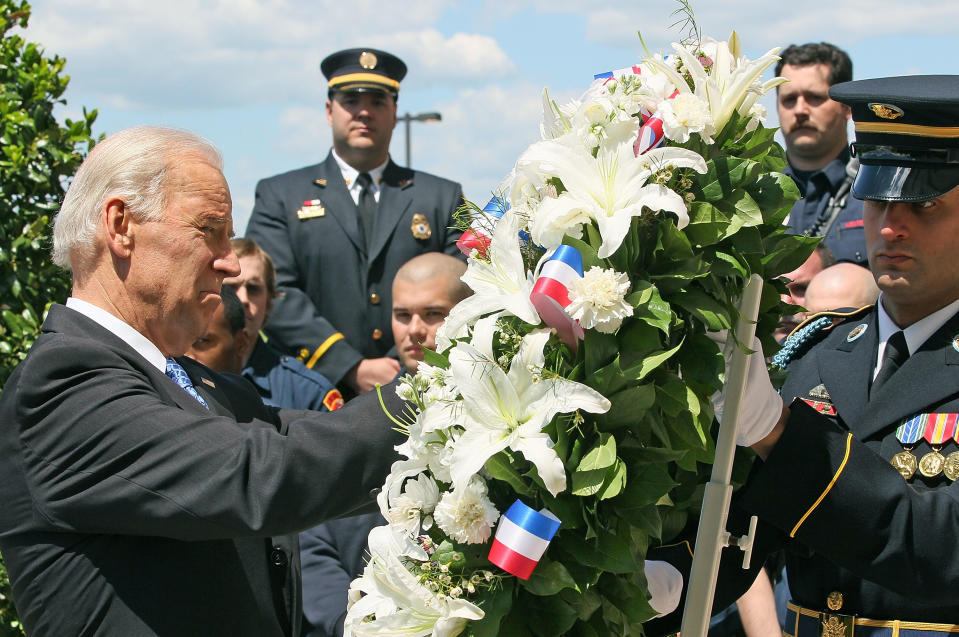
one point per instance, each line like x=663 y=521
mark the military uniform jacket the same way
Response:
x=283 y=381
x=129 y=509
x=857 y=526
x=336 y=301
x=846 y=237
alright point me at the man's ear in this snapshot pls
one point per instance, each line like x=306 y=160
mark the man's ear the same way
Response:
x=241 y=347
x=119 y=233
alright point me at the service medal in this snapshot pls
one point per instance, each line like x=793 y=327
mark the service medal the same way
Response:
x=905 y=463
x=951 y=467
x=931 y=464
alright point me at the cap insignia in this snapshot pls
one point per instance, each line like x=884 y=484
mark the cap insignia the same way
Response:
x=368 y=60
x=955 y=342
x=885 y=111
x=856 y=332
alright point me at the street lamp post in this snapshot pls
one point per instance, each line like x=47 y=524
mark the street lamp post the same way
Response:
x=419 y=117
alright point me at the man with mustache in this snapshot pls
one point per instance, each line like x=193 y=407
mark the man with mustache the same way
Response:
x=814 y=129
x=338 y=231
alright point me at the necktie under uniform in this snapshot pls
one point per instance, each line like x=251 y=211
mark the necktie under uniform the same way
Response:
x=893 y=357
x=176 y=372
x=366 y=205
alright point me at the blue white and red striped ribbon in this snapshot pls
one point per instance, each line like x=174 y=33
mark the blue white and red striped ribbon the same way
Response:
x=612 y=75
x=550 y=295
x=650 y=131
x=522 y=536
x=478 y=236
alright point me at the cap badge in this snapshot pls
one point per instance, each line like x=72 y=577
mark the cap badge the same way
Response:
x=955 y=342
x=885 y=111
x=856 y=332
x=368 y=60
x=421 y=227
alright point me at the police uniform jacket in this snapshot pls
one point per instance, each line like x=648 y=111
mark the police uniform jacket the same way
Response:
x=846 y=237
x=130 y=509
x=336 y=297
x=283 y=381
x=856 y=525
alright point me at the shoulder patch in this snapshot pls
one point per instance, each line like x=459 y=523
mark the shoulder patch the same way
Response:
x=333 y=400
x=813 y=330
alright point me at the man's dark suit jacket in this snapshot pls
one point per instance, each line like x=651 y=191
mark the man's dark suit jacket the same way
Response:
x=337 y=296
x=129 y=509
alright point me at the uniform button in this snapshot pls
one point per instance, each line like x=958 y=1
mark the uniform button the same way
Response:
x=278 y=557
x=375 y=298
x=377 y=334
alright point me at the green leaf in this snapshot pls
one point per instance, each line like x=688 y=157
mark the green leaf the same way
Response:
x=608 y=552
x=614 y=481
x=709 y=311
x=601 y=456
x=500 y=468
x=549 y=578
x=628 y=406
x=496 y=604
x=649 y=363
x=650 y=306
x=435 y=359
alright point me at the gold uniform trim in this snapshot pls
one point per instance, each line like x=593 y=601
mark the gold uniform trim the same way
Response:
x=832 y=314
x=372 y=78
x=895 y=624
x=917 y=130
x=828 y=488
x=322 y=349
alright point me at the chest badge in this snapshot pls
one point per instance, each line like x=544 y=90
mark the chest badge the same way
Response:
x=421 y=227
x=856 y=332
x=311 y=208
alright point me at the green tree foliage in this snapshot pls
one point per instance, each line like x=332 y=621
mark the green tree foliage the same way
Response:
x=37 y=156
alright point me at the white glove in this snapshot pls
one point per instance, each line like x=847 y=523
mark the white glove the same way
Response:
x=665 y=584
x=761 y=405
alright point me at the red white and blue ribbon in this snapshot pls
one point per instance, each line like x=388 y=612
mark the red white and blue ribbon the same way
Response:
x=612 y=75
x=550 y=295
x=650 y=131
x=478 y=236
x=522 y=536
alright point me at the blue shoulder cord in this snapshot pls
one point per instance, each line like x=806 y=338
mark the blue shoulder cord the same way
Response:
x=796 y=344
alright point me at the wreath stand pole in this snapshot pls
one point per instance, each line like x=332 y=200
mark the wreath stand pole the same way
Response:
x=711 y=536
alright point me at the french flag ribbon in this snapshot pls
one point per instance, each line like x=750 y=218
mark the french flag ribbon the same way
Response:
x=550 y=295
x=477 y=236
x=650 y=131
x=612 y=75
x=522 y=536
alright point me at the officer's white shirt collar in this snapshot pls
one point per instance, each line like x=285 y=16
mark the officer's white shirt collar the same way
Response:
x=122 y=330
x=350 y=174
x=916 y=334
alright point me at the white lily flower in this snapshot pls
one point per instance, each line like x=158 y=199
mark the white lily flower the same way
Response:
x=500 y=283
x=610 y=188
x=509 y=410
x=394 y=602
x=728 y=82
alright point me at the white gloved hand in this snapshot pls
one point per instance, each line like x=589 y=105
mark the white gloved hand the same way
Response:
x=761 y=405
x=665 y=585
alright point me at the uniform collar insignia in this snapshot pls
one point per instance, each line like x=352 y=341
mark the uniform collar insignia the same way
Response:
x=856 y=332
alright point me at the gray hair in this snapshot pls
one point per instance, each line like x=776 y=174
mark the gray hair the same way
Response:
x=132 y=165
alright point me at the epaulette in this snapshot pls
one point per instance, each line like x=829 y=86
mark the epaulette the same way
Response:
x=811 y=331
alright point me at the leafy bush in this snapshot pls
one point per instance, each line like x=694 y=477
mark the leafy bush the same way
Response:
x=37 y=156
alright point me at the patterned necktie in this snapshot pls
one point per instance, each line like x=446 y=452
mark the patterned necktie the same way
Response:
x=366 y=205
x=175 y=371
x=893 y=357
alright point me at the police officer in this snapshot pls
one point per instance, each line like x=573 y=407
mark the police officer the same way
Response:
x=860 y=478
x=339 y=230
x=814 y=129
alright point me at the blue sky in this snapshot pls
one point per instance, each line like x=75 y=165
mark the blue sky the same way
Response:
x=245 y=73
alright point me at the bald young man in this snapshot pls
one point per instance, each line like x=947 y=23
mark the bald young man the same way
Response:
x=841 y=285
x=425 y=290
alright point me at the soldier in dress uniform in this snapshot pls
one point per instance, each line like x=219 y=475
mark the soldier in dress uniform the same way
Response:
x=860 y=476
x=338 y=231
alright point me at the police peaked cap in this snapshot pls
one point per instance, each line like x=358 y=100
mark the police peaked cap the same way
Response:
x=907 y=135
x=358 y=70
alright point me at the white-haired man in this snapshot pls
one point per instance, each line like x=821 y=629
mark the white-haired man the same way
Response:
x=145 y=494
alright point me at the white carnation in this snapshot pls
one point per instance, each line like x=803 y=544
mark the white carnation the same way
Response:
x=414 y=507
x=466 y=514
x=598 y=299
x=683 y=115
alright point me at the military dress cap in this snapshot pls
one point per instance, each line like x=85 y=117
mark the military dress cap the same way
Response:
x=358 y=70
x=907 y=135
